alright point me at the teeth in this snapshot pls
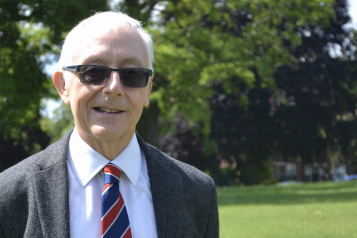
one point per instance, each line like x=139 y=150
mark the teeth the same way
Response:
x=105 y=110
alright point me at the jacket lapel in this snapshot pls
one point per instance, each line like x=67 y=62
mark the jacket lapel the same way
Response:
x=167 y=194
x=51 y=190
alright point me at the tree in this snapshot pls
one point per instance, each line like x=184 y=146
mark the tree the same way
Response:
x=224 y=59
x=202 y=42
x=30 y=32
x=243 y=73
x=309 y=116
x=186 y=143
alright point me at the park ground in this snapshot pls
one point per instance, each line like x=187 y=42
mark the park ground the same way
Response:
x=314 y=210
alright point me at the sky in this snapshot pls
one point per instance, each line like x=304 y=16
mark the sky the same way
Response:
x=51 y=105
x=353 y=12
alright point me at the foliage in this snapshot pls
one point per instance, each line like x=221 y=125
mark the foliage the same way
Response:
x=185 y=143
x=302 y=116
x=60 y=124
x=140 y=10
x=30 y=32
x=202 y=42
x=237 y=83
x=209 y=51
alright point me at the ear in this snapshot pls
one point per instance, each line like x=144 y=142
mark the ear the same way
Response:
x=147 y=98
x=60 y=84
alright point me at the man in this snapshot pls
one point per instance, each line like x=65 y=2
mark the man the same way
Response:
x=101 y=179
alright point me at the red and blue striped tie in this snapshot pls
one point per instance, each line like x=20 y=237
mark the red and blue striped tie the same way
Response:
x=115 y=220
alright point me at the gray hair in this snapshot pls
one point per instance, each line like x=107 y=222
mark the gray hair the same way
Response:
x=100 y=22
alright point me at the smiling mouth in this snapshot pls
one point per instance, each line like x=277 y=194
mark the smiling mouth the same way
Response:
x=105 y=110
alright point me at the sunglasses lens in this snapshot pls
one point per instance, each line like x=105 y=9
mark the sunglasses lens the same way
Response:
x=93 y=75
x=130 y=77
x=134 y=78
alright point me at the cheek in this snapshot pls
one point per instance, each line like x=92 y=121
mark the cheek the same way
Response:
x=140 y=101
x=136 y=101
x=139 y=107
x=146 y=101
x=76 y=108
x=80 y=96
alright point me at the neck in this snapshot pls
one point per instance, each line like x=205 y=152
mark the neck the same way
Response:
x=110 y=149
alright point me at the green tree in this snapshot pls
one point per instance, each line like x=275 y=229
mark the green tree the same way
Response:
x=217 y=63
x=241 y=47
x=202 y=42
x=309 y=116
x=30 y=32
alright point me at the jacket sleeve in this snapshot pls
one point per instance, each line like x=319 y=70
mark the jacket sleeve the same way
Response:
x=212 y=229
x=2 y=235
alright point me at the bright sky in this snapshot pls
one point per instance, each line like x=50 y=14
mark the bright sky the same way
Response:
x=50 y=69
x=353 y=12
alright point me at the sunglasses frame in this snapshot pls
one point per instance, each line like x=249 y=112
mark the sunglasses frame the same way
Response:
x=77 y=68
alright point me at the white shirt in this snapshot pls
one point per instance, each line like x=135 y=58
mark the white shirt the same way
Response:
x=86 y=181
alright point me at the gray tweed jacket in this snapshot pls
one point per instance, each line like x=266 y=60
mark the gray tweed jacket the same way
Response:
x=34 y=200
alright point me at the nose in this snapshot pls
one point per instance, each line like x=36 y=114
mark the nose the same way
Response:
x=113 y=85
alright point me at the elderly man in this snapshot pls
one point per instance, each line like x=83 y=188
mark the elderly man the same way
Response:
x=101 y=179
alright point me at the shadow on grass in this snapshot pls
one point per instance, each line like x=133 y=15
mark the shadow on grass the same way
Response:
x=293 y=194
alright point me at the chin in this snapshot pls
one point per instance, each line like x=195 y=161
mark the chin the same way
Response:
x=107 y=133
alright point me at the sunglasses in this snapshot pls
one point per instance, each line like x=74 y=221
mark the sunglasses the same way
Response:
x=99 y=75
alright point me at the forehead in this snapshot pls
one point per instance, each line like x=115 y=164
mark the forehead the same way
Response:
x=119 y=46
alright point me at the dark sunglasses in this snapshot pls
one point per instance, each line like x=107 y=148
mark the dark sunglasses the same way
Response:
x=99 y=75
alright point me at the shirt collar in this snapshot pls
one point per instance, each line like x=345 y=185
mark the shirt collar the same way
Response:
x=87 y=162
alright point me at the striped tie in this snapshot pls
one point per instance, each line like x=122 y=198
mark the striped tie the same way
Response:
x=115 y=220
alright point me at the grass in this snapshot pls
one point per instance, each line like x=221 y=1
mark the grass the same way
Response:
x=295 y=211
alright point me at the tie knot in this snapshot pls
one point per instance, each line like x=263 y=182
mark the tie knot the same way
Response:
x=111 y=173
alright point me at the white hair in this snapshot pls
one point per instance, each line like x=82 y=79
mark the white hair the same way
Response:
x=100 y=23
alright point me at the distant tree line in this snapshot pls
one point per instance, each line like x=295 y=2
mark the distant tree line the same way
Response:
x=238 y=84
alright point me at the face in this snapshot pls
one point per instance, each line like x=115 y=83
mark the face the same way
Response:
x=121 y=48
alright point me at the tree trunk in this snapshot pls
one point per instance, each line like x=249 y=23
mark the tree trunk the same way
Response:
x=332 y=159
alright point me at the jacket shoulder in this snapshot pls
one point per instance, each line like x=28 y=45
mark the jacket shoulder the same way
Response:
x=191 y=176
x=189 y=171
x=15 y=177
x=199 y=193
x=16 y=186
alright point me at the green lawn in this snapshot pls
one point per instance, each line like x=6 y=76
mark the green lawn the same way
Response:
x=302 y=211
